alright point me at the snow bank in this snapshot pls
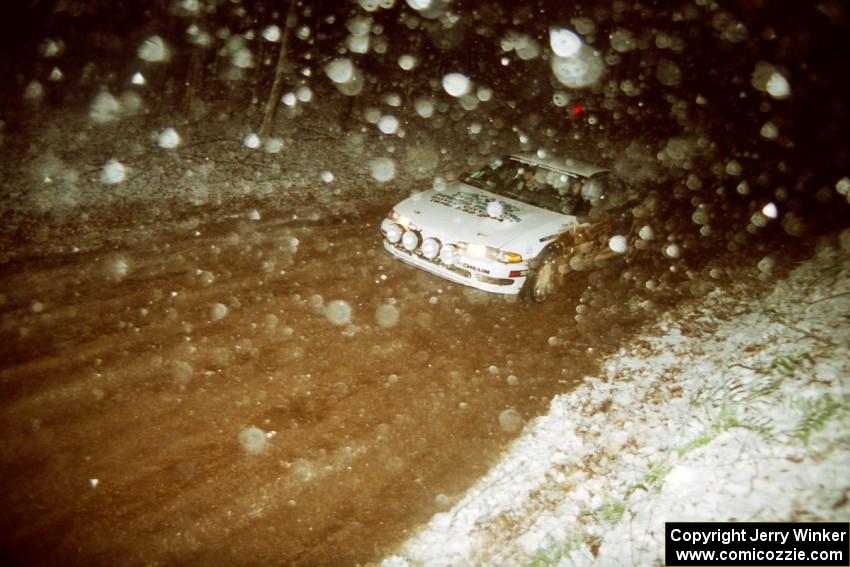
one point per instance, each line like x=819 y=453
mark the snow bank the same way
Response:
x=732 y=408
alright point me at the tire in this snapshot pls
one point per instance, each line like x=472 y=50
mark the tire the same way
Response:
x=542 y=280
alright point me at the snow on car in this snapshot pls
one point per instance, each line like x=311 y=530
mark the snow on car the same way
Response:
x=498 y=229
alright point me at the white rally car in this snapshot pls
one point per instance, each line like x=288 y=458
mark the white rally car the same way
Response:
x=495 y=228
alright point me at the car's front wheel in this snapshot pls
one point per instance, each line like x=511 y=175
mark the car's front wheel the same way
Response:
x=543 y=276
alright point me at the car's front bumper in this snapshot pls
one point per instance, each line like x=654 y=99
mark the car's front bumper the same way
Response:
x=490 y=276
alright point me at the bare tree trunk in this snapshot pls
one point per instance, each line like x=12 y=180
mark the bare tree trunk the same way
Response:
x=194 y=79
x=260 y=83
x=416 y=49
x=194 y=72
x=273 y=101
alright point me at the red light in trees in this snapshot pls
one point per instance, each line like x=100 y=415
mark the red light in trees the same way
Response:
x=577 y=109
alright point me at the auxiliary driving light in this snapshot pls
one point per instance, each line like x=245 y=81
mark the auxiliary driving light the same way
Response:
x=449 y=254
x=410 y=240
x=431 y=248
x=393 y=231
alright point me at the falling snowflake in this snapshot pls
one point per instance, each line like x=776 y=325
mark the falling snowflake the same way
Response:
x=251 y=141
x=382 y=169
x=154 y=50
x=564 y=42
x=456 y=84
x=338 y=312
x=340 y=70
x=113 y=172
x=272 y=33
x=168 y=139
x=105 y=108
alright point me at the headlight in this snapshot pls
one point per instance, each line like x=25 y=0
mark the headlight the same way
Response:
x=431 y=248
x=410 y=240
x=476 y=250
x=448 y=254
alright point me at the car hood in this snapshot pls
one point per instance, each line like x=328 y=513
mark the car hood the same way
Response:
x=462 y=212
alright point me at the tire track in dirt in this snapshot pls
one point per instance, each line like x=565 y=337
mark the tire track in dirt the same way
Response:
x=375 y=429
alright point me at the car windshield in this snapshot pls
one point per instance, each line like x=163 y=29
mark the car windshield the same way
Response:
x=558 y=191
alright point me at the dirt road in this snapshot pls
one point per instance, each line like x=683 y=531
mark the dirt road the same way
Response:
x=127 y=375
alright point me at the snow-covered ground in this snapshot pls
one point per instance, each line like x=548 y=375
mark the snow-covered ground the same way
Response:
x=729 y=408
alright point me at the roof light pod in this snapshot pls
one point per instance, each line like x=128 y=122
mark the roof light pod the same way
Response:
x=410 y=240
x=431 y=248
